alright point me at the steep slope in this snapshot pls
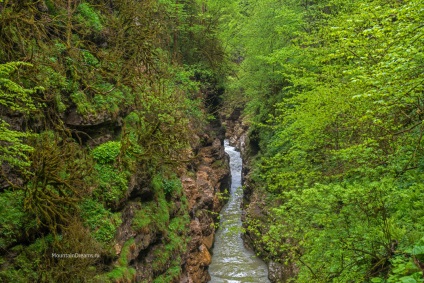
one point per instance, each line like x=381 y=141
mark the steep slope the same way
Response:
x=111 y=158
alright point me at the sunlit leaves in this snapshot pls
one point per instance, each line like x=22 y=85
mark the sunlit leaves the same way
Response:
x=18 y=100
x=341 y=134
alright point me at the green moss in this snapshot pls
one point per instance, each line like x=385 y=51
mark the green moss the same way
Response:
x=89 y=17
x=118 y=274
x=13 y=220
x=170 y=275
x=157 y=183
x=101 y=221
x=143 y=217
x=61 y=107
x=26 y=263
x=162 y=213
x=51 y=6
x=152 y=214
x=123 y=259
x=113 y=182
x=176 y=243
x=89 y=59
x=102 y=96
x=179 y=224
x=83 y=105
x=172 y=186
x=218 y=163
x=122 y=272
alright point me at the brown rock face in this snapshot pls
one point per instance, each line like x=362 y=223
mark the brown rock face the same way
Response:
x=208 y=177
x=202 y=190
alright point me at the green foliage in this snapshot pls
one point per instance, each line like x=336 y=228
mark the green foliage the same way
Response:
x=404 y=266
x=35 y=262
x=107 y=152
x=112 y=179
x=14 y=221
x=155 y=214
x=112 y=183
x=27 y=260
x=89 y=59
x=171 y=274
x=101 y=221
x=16 y=99
x=89 y=17
x=121 y=272
x=123 y=260
x=335 y=111
x=143 y=218
x=170 y=186
x=170 y=251
x=13 y=95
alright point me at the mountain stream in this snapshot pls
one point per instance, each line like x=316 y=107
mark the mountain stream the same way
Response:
x=232 y=262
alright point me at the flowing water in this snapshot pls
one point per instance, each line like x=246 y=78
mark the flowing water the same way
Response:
x=231 y=261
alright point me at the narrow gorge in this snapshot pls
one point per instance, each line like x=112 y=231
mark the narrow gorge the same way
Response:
x=232 y=261
x=222 y=141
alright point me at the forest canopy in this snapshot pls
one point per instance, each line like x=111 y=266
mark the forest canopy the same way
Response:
x=333 y=92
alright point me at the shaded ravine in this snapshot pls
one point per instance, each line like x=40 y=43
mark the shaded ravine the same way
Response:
x=231 y=261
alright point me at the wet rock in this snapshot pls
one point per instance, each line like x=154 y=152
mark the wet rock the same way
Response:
x=204 y=256
x=208 y=240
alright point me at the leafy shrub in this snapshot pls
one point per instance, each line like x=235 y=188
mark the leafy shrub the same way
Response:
x=107 y=152
x=13 y=220
x=101 y=221
x=169 y=186
x=404 y=267
x=113 y=184
x=172 y=186
x=14 y=98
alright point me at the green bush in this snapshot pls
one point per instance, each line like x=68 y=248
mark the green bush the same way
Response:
x=107 y=152
x=113 y=184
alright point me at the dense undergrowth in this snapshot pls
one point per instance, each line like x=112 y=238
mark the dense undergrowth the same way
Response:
x=95 y=95
x=333 y=91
